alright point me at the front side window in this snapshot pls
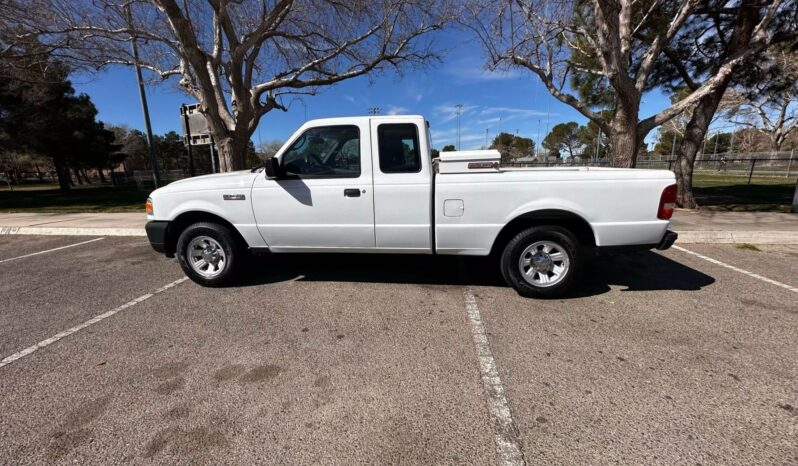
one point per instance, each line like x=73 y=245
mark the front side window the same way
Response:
x=325 y=152
x=399 y=151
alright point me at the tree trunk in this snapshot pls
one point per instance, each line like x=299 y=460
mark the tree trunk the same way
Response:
x=38 y=172
x=102 y=176
x=77 y=175
x=231 y=153
x=624 y=140
x=62 y=171
x=85 y=176
x=694 y=135
x=623 y=143
x=794 y=208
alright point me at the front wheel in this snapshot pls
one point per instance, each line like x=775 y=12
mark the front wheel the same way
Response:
x=209 y=254
x=542 y=262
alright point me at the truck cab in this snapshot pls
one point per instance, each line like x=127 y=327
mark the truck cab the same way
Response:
x=360 y=184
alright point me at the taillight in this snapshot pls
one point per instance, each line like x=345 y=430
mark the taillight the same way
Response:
x=148 y=206
x=667 y=202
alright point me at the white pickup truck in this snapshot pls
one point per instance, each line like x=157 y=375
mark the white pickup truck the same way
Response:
x=370 y=185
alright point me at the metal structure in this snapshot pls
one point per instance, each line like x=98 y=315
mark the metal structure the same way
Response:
x=196 y=132
x=374 y=110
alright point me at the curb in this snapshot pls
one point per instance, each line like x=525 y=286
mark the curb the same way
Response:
x=67 y=231
x=737 y=237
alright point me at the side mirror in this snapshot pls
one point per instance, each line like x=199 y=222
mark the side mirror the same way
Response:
x=272 y=168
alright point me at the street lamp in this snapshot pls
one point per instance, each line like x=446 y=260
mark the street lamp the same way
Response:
x=156 y=176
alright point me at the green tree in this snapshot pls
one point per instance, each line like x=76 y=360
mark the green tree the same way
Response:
x=448 y=148
x=171 y=151
x=41 y=113
x=564 y=137
x=511 y=146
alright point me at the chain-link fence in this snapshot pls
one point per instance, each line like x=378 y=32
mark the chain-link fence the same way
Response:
x=142 y=179
x=754 y=164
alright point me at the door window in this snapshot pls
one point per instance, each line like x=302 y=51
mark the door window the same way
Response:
x=398 y=146
x=325 y=152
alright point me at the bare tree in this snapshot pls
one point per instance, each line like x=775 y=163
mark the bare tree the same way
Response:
x=613 y=44
x=238 y=58
x=769 y=105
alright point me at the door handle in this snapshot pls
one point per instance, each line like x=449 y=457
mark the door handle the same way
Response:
x=351 y=192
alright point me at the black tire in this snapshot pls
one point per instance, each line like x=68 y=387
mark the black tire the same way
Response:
x=234 y=253
x=567 y=244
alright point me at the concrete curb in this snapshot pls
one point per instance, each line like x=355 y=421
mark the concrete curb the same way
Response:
x=685 y=236
x=737 y=237
x=69 y=231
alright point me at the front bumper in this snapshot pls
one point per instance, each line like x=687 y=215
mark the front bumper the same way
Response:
x=667 y=240
x=156 y=233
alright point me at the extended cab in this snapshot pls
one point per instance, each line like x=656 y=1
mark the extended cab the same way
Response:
x=370 y=185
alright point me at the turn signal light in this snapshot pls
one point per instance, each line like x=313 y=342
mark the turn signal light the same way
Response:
x=148 y=206
x=667 y=202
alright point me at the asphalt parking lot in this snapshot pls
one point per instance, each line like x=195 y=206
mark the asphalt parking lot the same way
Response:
x=661 y=358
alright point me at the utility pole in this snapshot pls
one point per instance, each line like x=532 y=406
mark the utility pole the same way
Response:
x=156 y=176
x=374 y=110
x=540 y=139
x=459 y=110
x=598 y=144
x=673 y=146
x=486 y=139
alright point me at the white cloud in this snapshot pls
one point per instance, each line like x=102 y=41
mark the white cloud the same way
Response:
x=449 y=112
x=489 y=121
x=396 y=110
x=512 y=112
x=349 y=98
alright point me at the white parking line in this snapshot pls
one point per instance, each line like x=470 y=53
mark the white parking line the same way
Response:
x=21 y=354
x=507 y=445
x=737 y=269
x=50 y=250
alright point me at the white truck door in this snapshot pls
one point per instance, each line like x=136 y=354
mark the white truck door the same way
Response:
x=325 y=201
x=402 y=185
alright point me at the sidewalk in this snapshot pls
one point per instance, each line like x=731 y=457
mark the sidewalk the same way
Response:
x=735 y=227
x=108 y=224
x=692 y=226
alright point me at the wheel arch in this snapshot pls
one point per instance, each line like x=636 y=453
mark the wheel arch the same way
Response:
x=571 y=221
x=182 y=221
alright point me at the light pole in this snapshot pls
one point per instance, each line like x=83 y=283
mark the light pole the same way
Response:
x=156 y=176
x=540 y=139
x=673 y=145
x=459 y=108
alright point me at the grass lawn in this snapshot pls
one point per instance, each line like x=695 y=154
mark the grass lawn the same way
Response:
x=732 y=193
x=87 y=198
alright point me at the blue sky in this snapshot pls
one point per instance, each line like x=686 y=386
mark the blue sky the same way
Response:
x=514 y=102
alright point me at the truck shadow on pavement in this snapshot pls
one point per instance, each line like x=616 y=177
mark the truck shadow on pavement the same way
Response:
x=644 y=271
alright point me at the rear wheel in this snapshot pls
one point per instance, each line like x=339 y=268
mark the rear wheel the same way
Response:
x=542 y=261
x=209 y=254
